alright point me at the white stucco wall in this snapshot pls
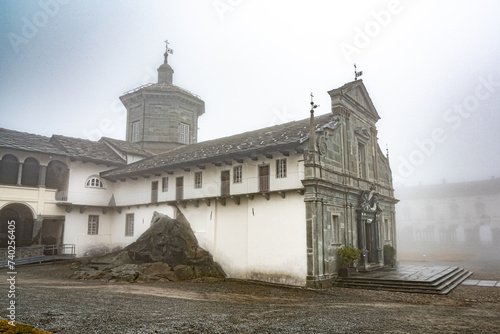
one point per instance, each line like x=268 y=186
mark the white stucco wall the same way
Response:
x=257 y=239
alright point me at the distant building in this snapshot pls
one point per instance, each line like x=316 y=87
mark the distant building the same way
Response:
x=450 y=214
x=272 y=204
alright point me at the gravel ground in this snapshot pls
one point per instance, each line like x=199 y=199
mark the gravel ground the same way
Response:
x=46 y=299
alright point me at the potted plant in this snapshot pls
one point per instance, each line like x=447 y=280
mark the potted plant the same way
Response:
x=348 y=257
x=389 y=255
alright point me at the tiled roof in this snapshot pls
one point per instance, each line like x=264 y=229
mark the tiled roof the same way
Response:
x=28 y=142
x=87 y=150
x=80 y=149
x=280 y=137
x=450 y=190
x=126 y=147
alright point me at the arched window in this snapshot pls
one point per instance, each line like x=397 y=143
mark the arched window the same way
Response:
x=9 y=169
x=31 y=170
x=94 y=182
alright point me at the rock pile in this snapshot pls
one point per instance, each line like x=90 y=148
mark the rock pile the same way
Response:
x=168 y=250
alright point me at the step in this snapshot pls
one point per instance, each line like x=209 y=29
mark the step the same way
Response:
x=442 y=282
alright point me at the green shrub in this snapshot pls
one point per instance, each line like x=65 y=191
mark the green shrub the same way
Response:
x=348 y=256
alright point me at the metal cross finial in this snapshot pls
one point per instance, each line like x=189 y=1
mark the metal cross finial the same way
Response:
x=313 y=106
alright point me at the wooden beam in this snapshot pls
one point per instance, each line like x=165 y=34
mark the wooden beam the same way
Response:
x=207 y=201
x=249 y=196
x=229 y=163
x=285 y=153
x=269 y=155
x=170 y=172
x=266 y=195
x=195 y=202
x=254 y=157
x=104 y=211
x=182 y=203
x=236 y=200
x=117 y=209
x=69 y=208
x=201 y=166
x=282 y=194
x=301 y=191
x=221 y=200
x=82 y=209
x=240 y=161
x=218 y=164
x=186 y=169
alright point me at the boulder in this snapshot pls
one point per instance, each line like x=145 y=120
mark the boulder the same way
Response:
x=167 y=250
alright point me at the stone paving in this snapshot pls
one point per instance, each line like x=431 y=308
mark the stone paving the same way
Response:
x=473 y=282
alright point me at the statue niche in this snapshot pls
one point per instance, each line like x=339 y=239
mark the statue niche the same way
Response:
x=368 y=228
x=368 y=201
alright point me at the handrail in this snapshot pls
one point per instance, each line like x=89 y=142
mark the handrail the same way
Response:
x=40 y=250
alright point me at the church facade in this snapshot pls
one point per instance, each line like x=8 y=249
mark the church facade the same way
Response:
x=274 y=204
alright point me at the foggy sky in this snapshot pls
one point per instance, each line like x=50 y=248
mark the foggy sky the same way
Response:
x=431 y=69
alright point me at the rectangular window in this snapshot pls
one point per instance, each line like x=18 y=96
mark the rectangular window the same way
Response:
x=281 y=168
x=361 y=161
x=164 y=184
x=198 y=180
x=237 y=174
x=337 y=230
x=154 y=191
x=129 y=225
x=93 y=227
x=184 y=133
x=136 y=131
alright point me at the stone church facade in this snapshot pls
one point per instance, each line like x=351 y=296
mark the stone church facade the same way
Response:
x=274 y=204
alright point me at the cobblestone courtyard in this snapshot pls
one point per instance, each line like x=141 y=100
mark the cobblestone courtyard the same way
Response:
x=50 y=301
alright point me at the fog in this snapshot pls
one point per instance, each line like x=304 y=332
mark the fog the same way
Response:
x=430 y=68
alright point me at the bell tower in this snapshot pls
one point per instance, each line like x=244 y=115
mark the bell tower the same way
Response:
x=162 y=116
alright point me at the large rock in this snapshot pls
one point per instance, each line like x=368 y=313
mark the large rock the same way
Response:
x=167 y=250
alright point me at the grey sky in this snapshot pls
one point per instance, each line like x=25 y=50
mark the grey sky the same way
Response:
x=431 y=68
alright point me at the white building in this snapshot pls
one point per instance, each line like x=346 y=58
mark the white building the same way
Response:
x=273 y=204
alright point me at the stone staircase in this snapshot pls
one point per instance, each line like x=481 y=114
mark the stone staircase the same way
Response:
x=416 y=279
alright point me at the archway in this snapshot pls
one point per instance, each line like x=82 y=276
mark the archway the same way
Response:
x=23 y=217
x=9 y=169
x=31 y=172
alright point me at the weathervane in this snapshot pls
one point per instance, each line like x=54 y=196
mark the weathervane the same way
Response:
x=356 y=73
x=169 y=51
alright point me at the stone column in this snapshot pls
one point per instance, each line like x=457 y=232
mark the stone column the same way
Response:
x=42 y=176
x=37 y=230
x=362 y=239
x=19 y=174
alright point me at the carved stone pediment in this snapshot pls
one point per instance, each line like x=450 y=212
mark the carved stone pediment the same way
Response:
x=363 y=133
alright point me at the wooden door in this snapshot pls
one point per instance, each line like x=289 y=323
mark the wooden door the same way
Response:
x=179 y=188
x=154 y=192
x=224 y=183
x=264 y=178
